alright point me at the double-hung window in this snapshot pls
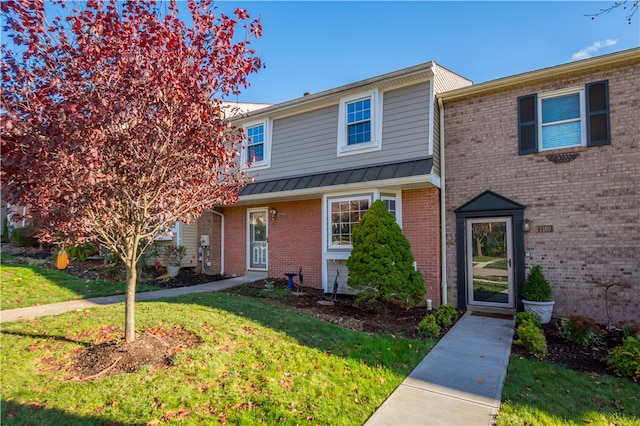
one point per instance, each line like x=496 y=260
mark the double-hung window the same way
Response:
x=360 y=123
x=561 y=124
x=258 y=145
x=564 y=119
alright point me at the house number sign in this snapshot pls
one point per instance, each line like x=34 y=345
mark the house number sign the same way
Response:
x=545 y=228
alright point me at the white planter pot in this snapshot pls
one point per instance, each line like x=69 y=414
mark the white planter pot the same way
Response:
x=544 y=309
x=172 y=271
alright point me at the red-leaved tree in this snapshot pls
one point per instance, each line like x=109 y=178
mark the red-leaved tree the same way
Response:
x=113 y=121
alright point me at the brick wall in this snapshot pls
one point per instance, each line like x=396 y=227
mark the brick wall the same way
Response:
x=592 y=202
x=295 y=238
x=421 y=226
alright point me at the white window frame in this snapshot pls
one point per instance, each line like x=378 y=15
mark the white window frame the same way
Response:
x=372 y=195
x=376 y=125
x=266 y=161
x=330 y=201
x=582 y=119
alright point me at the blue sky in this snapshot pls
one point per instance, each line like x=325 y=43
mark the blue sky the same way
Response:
x=316 y=46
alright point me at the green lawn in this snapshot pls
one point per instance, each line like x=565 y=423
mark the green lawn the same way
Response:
x=30 y=285
x=256 y=364
x=538 y=394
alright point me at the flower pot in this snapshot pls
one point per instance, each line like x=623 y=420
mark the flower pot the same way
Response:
x=172 y=271
x=544 y=309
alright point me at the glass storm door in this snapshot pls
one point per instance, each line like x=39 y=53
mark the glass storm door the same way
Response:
x=490 y=262
x=257 y=231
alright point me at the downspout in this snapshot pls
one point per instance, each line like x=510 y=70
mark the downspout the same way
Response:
x=221 y=240
x=443 y=218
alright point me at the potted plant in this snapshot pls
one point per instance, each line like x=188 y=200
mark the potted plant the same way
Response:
x=173 y=255
x=537 y=294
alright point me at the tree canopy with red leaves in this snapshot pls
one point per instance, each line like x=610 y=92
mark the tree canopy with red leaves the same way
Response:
x=114 y=121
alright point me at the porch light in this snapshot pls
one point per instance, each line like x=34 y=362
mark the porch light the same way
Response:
x=273 y=213
x=526 y=226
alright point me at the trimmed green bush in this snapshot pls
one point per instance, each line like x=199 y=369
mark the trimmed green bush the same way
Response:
x=624 y=360
x=381 y=262
x=532 y=338
x=531 y=317
x=536 y=287
x=429 y=327
x=24 y=237
x=445 y=314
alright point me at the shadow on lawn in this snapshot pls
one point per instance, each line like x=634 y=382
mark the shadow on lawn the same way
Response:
x=47 y=337
x=36 y=414
x=312 y=332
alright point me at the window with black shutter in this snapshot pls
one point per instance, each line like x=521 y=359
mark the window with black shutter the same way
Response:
x=527 y=124
x=598 y=114
x=559 y=119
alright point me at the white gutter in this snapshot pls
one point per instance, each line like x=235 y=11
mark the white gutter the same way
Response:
x=221 y=240
x=443 y=211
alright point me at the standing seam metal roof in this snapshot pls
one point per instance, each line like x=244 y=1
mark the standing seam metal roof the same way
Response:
x=421 y=166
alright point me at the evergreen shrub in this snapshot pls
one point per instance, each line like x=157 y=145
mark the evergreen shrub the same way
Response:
x=381 y=263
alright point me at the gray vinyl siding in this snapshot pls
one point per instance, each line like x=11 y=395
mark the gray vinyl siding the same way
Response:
x=306 y=143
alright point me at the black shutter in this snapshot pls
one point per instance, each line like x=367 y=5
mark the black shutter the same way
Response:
x=598 y=132
x=527 y=124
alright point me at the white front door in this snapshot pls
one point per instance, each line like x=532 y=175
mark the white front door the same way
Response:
x=489 y=255
x=257 y=246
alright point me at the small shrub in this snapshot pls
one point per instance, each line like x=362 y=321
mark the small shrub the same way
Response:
x=82 y=251
x=24 y=237
x=429 y=327
x=536 y=287
x=530 y=317
x=630 y=328
x=580 y=330
x=445 y=314
x=624 y=360
x=532 y=338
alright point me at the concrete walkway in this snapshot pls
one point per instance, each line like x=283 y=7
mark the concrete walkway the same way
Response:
x=460 y=380
x=59 y=308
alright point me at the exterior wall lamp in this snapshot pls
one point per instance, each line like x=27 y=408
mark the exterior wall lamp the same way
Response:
x=526 y=226
x=273 y=213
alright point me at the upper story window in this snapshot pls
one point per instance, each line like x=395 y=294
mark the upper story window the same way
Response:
x=561 y=125
x=258 y=145
x=565 y=119
x=360 y=123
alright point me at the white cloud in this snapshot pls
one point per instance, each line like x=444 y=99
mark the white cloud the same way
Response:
x=587 y=52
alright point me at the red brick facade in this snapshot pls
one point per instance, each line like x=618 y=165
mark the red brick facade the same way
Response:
x=295 y=238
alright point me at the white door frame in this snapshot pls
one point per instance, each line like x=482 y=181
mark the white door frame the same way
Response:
x=259 y=251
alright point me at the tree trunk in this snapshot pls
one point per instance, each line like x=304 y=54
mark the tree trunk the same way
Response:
x=130 y=304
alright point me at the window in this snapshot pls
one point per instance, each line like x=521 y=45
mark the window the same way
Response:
x=258 y=144
x=578 y=117
x=560 y=122
x=345 y=213
x=360 y=123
